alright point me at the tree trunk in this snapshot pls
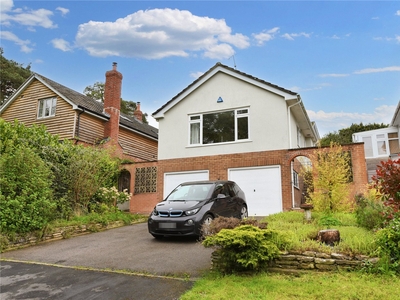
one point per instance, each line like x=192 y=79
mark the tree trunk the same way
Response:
x=329 y=236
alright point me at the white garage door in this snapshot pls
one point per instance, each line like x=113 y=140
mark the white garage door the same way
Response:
x=172 y=180
x=262 y=186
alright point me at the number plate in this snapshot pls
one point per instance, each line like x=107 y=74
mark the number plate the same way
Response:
x=167 y=225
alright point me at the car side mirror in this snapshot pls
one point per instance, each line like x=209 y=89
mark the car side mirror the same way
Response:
x=221 y=196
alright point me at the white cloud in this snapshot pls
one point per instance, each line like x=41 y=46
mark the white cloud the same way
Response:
x=378 y=70
x=388 y=39
x=196 y=74
x=61 y=44
x=265 y=35
x=334 y=121
x=25 y=16
x=298 y=89
x=6 y=5
x=333 y=75
x=398 y=13
x=219 y=51
x=159 y=33
x=292 y=36
x=63 y=10
x=24 y=44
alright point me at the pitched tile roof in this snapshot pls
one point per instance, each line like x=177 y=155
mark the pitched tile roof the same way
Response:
x=96 y=107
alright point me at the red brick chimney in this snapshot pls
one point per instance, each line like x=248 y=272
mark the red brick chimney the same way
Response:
x=138 y=113
x=112 y=102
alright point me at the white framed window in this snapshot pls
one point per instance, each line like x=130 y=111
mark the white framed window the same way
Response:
x=381 y=144
x=219 y=127
x=47 y=107
x=298 y=136
x=295 y=179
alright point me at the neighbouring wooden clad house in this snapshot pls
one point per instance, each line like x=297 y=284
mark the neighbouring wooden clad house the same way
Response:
x=74 y=116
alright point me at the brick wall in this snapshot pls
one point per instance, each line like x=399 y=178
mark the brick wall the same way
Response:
x=218 y=166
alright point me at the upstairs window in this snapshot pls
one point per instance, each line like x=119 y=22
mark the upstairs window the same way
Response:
x=219 y=127
x=47 y=107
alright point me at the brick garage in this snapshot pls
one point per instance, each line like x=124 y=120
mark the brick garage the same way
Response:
x=218 y=166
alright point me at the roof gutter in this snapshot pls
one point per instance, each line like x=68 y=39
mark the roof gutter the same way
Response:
x=78 y=124
x=289 y=121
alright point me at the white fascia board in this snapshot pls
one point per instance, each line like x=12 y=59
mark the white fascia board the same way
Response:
x=56 y=92
x=390 y=129
x=396 y=116
x=189 y=90
x=76 y=107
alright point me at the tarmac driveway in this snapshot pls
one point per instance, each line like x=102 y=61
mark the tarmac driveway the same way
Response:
x=129 y=248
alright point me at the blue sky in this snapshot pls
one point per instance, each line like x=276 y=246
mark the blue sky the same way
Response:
x=342 y=57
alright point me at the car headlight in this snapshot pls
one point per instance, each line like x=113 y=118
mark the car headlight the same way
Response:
x=192 y=211
x=154 y=212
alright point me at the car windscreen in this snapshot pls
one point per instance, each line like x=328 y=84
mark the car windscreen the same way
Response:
x=194 y=192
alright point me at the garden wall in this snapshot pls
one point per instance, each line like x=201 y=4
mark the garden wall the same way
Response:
x=315 y=261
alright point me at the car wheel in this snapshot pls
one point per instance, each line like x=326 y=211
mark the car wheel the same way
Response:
x=243 y=212
x=157 y=236
x=205 y=225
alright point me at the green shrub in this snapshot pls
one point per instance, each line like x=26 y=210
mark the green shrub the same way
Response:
x=77 y=172
x=388 y=241
x=329 y=221
x=369 y=211
x=220 y=223
x=26 y=202
x=108 y=198
x=243 y=248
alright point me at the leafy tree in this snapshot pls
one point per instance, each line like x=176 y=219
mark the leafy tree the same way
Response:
x=331 y=173
x=344 y=136
x=96 y=91
x=12 y=75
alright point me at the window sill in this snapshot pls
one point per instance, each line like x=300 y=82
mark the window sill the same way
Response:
x=44 y=118
x=219 y=144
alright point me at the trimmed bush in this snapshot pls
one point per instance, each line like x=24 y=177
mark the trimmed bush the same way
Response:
x=244 y=248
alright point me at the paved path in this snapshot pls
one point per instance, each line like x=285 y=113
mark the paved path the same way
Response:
x=130 y=248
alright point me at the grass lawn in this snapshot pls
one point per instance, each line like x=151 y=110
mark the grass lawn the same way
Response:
x=309 y=285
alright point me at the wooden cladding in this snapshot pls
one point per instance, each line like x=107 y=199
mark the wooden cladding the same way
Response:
x=138 y=146
x=25 y=109
x=89 y=129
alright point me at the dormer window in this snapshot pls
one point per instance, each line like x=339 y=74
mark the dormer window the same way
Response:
x=219 y=127
x=47 y=107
